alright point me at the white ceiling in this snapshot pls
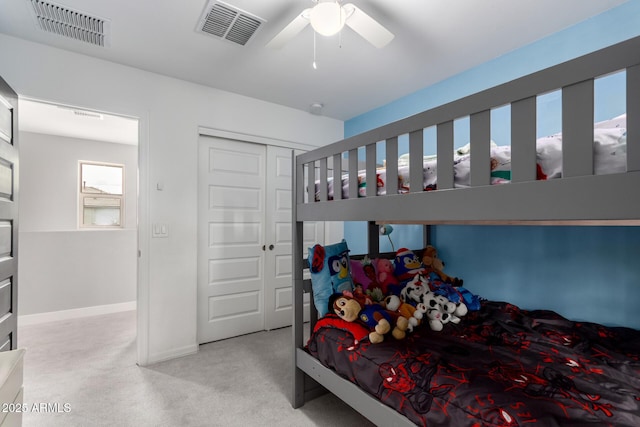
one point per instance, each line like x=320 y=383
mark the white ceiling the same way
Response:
x=434 y=39
x=41 y=117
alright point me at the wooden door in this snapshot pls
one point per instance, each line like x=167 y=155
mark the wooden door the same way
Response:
x=231 y=217
x=278 y=297
x=8 y=217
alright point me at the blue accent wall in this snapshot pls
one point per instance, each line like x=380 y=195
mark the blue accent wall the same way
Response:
x=584 y=273
x=610 y=27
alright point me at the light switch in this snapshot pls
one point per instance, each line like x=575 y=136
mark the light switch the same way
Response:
x=160 y=230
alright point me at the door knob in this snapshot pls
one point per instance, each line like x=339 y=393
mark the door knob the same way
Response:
x=270 y=247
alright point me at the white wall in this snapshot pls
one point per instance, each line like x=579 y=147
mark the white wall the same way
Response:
x=170 y=112
x=60 y=266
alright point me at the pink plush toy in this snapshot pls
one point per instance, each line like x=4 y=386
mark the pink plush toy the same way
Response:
x=384 y=269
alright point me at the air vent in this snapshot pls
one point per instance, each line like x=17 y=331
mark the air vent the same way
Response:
x=88 y=114
x=71 y=23
x=227 y=22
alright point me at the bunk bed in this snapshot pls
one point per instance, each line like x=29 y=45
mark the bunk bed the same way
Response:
x=578 y=197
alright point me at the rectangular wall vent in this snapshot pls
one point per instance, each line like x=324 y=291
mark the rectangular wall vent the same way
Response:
x=71 y=23
x=227 y=22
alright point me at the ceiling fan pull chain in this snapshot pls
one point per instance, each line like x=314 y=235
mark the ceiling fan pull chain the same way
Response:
x=315 y=66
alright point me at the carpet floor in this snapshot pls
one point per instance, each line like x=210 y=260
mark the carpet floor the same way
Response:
x=84 y=371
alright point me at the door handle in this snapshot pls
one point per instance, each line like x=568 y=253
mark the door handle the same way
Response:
x=270 y=247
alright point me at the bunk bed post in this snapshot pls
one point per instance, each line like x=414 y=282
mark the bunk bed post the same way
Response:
x=426 y=235
x=297 y=278
x=373 y=239
x=633 y=126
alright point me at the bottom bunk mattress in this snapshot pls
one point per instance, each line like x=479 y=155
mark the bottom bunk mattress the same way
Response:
x=501 y=366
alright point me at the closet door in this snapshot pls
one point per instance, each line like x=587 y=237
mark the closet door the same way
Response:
x=278 y=297
x=244 y=238
x=231 y=218
x=8 y=217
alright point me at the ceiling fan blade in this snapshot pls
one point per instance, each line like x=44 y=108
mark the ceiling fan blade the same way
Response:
x=367 y=27
x=290 y=31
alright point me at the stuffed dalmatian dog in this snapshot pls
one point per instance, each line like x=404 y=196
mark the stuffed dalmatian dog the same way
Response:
x=437 y=309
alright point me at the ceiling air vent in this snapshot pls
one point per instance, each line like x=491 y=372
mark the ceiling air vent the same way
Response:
x=70 y=23
x=228 y=22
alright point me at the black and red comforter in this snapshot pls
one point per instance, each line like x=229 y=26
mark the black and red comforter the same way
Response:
x=501 y=366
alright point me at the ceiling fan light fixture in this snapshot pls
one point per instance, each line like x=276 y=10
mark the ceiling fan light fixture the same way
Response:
x=327 y=18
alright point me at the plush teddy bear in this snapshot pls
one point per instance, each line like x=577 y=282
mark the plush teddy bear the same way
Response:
x=385 y=274
x=394 y=303
x=434 y=267
x=375 y=316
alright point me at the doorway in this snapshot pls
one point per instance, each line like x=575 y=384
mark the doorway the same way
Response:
x=66 y=270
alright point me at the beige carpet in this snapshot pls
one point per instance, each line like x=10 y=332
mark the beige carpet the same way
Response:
x=87 y=366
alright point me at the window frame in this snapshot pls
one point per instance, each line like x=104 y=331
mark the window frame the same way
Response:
x=82 y=195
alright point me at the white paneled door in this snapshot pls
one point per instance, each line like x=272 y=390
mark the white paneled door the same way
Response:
x=278 y=292
x=8 y=217
x=244 y=238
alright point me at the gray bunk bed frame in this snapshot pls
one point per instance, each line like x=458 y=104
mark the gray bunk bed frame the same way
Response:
x=579 y=197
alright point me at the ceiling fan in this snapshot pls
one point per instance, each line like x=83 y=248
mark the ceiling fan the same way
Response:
x=328 y=17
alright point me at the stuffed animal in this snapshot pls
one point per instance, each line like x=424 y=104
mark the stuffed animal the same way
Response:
x=451 y=309
x=379 y=320
x=384 y=274
x=436 y=310
x=448 y=286
x=434 y=267
x=360 y=295
x=414 y=316
x=432 y=312
x=414 y=290
x=375 y=294
x=433 y=317
x=407 y=265
x=330 y=272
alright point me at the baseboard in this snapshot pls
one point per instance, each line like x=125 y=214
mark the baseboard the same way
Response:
x=52 y=316
x=172 y=354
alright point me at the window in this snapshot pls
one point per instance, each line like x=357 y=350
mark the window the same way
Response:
x=101 y=195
